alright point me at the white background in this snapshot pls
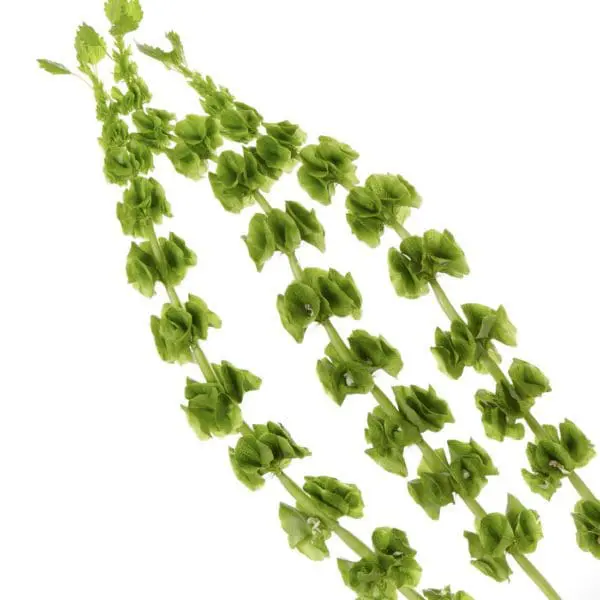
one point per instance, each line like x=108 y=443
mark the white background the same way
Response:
x=489 y=108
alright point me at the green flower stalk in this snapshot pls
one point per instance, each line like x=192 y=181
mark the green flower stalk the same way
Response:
x=386 y=201
x=316 y=295
x=214 y=405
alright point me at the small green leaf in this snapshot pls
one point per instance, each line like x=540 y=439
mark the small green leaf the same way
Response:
x=90 y=47
x=125 y=15
x=53 y=67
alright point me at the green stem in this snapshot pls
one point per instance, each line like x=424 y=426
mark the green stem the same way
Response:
x=536 y=577
x=306 y=502
x=444 y=301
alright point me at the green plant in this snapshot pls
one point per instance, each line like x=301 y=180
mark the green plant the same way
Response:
x=213 y=406
x=386 y=201
x=239 y=181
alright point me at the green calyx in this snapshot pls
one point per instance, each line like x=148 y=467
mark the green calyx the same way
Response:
x=470 y=466
x=197 y=139
x=519 y=531
x=499 y=413
x=180 y=327
x=391 y=568
x=213 y=408
x=385 y=200
x=335 y=498
x=465 y=472
x=236 y=179
x=587 y=521
x=268 y=449
x=446 y=594
x=341 y=378
x=306 y=533
x=210 y=411
x=283 y=232
x=388 y=436
x=143 y=271
x=422 y=408
x=420 y=259
x=555 y=457
x=316 y=297
x=325 y=165
x=434 y=488
x=144 y=205
x=455 y=349
x=288 y=135
x=487 y=324
x=154 y=128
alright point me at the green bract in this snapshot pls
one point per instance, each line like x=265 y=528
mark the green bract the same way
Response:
x=154 y=128
x=423 y=408
x=306 y=533
x=385 y=200
x=388 y=436
x=125 y=15
x=144 y=204
x=324 y=165
x=210 y=411
x=587 y=521
x=553 y=458
x=286 y=234
x=334 y=498
x=421 y=259
x=236 y=179
x=268 y=449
